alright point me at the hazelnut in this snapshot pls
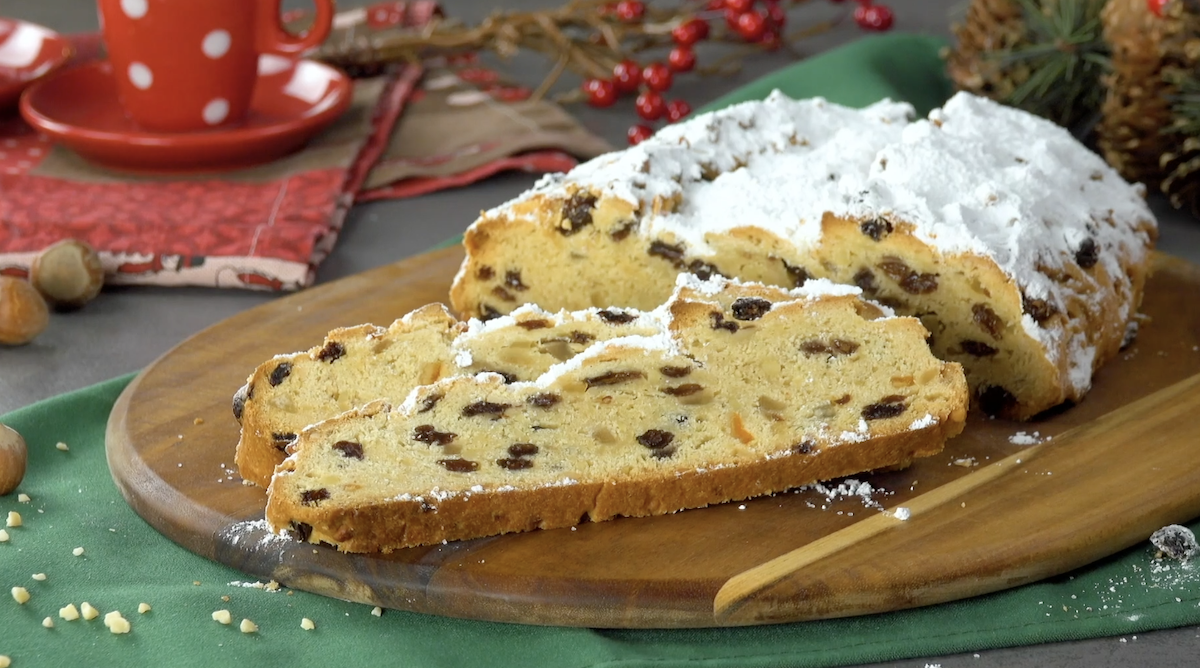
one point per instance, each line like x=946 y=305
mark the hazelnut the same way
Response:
x=13 y=455
x=23 y=312
x=68 y=274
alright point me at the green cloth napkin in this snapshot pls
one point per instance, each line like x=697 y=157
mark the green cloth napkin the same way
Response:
x=74 y=503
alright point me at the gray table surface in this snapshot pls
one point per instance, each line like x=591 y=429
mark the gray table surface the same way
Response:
x=127 y=328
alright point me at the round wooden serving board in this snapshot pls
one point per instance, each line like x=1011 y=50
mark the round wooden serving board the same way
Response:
x=1123 y=463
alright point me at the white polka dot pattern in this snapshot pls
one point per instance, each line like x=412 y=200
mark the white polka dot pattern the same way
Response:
x=134 y=9
x=216 y=111
x=140 y=76
x=216 y=44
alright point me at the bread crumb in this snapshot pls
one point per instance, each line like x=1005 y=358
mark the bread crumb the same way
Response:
x=248 y=626
x=77 y=552
x=307 y=624
x=5 y=662
x=69 y=613
x=14 y=519
x=198 y=421
x=271 y=586
x=143 y=608
x=222 y=617
x=225 y=598
x=61 y=446
x=378 y=611
x=196 y=583
x=23 y=498
x=116 y=623
x=3 y=536
x=20 y=595
x=88 y=611
x=40 y=577
x=48 y=623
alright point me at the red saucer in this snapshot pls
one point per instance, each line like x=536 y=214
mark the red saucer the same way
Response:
x=293 y=101
x=27 y=52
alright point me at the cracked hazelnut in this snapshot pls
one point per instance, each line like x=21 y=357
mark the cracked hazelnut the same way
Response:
x=23 y=312
x=68 y=274
x=13 y=456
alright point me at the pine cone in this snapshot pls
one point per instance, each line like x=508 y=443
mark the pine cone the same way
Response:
x=990 y=26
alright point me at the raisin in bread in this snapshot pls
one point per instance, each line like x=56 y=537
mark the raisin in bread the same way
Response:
x=1019 y=249
x=727 y=391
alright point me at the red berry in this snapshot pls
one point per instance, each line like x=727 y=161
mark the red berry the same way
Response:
x=874 y=17
x=751 y=26
x=776 y=15
x=631 y=10
x=731 y=18
x=739 y=6
x=770 y=40
x=657 y=76
x=627 y=76
x=689 y=32
x=677 y=109
x=638 y=134
x=715 y=5
x=1157 y=7
x=650 y=105
x=681 y=59
x=600 y=92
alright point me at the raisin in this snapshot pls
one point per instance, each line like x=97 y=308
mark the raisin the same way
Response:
x=501 y=293
x=332 y=352
x=675 y=371
x=668 y=252
x=876 y=228
x=623 y=230
x=835 y=347
x=514 y=463
x=656 y=439
x=239 y=401
x=995 y=400
x=282 y=371
x=311 y=497
x=484 y=408
x=895 y=268
x=509 y=378
x=804 y=447
x=909 y=280
x=977 y=348
x=282 y=440
x=522 y=449
x=663 y=453
x=577 y=212
x=459 y=465
x=430 y=401
x=426 y=433
x=703 y=270
x=349 y=449
x=512 y=278
x=718 y=322
x=815 y=347
x=581 y=337
x=799 y=275
x=488 y=312
x=613 y=378
x=843 y=347
x=685 y=390
x=485 y=273
x=843 y=400
x=865 y=279
x=750 y=308
x=301 y=531
x=1088 y=254
x=615 y=317
x=544 y=400
x=887 y=407
x=1038 y=309
x=987 y=319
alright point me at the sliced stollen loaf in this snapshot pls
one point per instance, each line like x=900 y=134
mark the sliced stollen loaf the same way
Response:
x=725 y=392
x=1017 y=247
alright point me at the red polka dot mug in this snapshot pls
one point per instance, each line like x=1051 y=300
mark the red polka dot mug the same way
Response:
x=188 y=65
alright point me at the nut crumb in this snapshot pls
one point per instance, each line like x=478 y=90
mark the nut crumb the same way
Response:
x=88 y=611
x=307 y=624
x=198 y=420
x=48 y=623
x=116 y=623
x=225 y=598
x=271 y=586
x=40 y=577
x=5 y=661
x=248 y=626
x=378 y=611
x=195 y=583
x=62 y=446
x=14 y=519
x=3 y=536
x=965 y=462
x=143 y=608
x=20 y=595
x=222 y=617
x=23 y=498
x=77 y=552
x=69 y=613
